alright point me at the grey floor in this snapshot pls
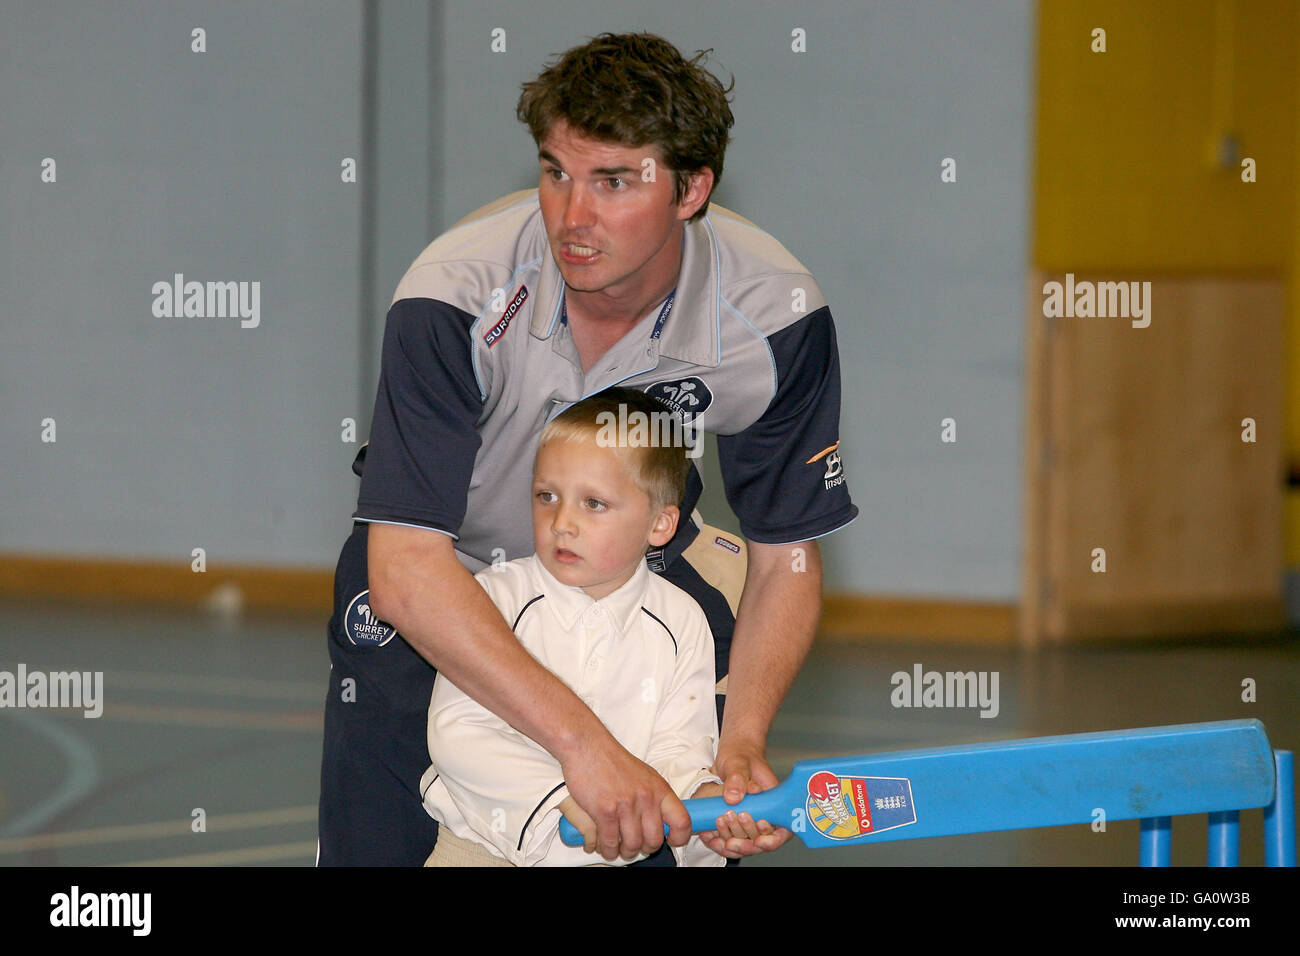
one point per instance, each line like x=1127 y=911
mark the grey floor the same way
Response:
x=223 y=716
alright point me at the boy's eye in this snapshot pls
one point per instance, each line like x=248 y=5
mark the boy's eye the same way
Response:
x=595 y=504
x=546 y=497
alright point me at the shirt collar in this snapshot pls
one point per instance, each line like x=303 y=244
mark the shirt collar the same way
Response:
x=691 y=332
x=569 y=603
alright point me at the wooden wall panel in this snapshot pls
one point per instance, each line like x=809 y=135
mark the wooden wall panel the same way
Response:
x=1136 y=447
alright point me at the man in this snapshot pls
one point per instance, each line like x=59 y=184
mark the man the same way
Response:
x=609 y=273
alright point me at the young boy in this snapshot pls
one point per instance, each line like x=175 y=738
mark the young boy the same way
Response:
x=634 y=647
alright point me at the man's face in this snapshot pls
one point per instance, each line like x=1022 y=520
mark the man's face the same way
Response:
x=591 y=522
x=607 y=228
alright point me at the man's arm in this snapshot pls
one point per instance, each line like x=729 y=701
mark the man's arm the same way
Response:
x=776 y=622
x=419 y=587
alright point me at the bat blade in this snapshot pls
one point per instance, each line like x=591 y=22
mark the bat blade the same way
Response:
x=1012 y=784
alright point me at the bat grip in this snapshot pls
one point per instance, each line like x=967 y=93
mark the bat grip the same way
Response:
x=704 y=813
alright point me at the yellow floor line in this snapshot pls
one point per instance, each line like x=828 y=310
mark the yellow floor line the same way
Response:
x=160 y=829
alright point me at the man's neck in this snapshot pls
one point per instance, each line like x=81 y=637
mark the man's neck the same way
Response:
x=626 y=307
x=602 y=314
x=598 y=320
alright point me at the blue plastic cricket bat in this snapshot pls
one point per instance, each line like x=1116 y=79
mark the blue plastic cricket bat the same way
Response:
x=1010 y=784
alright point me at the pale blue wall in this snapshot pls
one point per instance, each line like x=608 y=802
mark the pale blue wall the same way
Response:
x=836 y=152
x=177 y=433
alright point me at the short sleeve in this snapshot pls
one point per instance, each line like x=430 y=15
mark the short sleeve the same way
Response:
x=423 y=436
x=783 y=474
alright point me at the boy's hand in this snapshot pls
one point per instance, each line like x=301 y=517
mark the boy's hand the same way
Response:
x=739 y=834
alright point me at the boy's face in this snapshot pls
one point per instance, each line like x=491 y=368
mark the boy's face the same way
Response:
x=591 y=523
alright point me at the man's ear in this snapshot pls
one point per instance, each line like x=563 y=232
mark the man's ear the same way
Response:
x=701 y=184
x=665 y=526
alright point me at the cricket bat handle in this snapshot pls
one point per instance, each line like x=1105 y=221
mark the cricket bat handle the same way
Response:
x=770 y=805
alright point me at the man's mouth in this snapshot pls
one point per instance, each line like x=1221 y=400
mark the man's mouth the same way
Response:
x=575 y=252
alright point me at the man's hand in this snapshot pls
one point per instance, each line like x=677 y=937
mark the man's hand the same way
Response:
x=743 y=771
x=583 y=823
x=625 y=799
x=775 y=626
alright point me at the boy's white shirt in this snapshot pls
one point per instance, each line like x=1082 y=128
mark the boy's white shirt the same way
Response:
x=650 y=680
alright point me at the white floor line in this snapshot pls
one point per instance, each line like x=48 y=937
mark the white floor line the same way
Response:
x=160 y=829
x=80 y=779
x=232 y=686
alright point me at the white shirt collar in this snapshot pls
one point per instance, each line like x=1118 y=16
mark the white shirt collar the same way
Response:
x=569 y=602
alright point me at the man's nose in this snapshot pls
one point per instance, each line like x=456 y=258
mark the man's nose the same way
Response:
x=579 y=212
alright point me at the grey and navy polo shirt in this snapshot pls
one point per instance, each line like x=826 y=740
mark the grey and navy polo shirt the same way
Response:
x=477 y=358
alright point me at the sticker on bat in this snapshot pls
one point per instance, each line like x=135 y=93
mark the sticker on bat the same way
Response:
x=845 y=807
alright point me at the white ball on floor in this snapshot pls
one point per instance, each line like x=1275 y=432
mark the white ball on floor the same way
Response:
x=226 y=600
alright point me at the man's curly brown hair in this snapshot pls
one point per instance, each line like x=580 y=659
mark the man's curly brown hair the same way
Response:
x=636 y=89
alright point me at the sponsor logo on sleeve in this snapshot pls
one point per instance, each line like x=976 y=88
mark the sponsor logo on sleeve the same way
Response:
x=362 y=627
x=834 y=467
x=493 y=334
x=686 y=397
x=846 y=807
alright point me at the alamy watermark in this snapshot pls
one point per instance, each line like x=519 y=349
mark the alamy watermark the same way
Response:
x=208 y=300
x=35 y=689
x=637 y=429
x=129 y=910
x=1085 y=300
x=946 y=689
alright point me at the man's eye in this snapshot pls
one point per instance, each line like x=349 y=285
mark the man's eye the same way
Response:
x=553 y=173
x=615 y=179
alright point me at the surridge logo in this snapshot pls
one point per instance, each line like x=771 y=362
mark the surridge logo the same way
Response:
x=492 y=335
x=362 y=626
x=834 y=467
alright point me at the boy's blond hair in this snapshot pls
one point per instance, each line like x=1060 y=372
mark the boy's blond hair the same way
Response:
x=658 y=469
